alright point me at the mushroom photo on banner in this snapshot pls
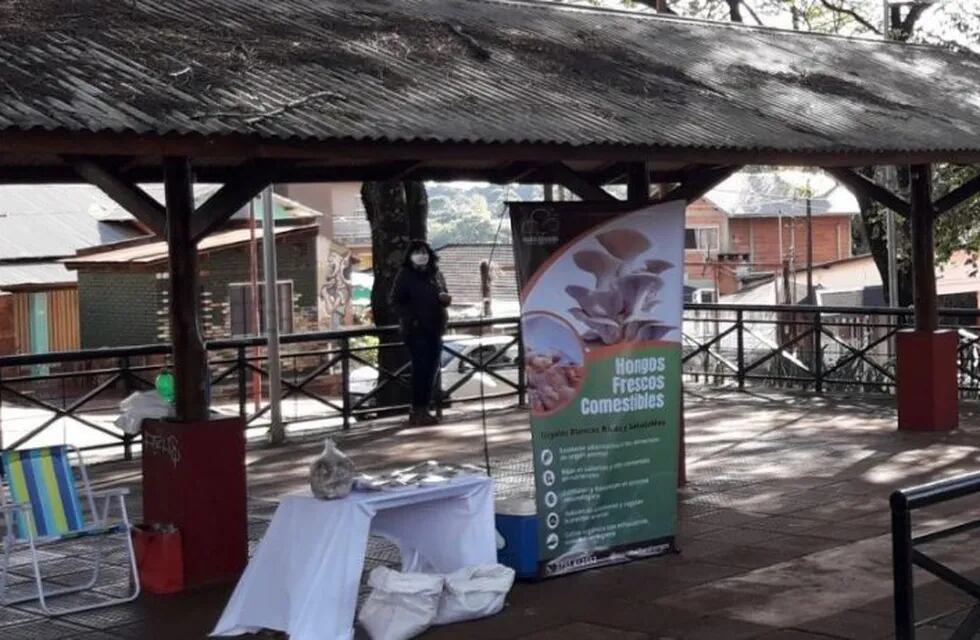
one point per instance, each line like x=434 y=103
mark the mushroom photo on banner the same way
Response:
x=618 y=308
x=554 y=362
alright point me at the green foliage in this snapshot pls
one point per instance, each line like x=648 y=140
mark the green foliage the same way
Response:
x=366 y=348
x=470 y=212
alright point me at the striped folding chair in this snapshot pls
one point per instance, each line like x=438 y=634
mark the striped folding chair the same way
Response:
x=41 y=506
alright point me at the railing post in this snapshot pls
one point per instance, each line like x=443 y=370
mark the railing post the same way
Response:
x=740 y=346
x=345 y=381
x=521 y=373
x=1 y=408
x=127 y=438
x=818 y=350
x=242 y=380
x=902 y=567
x=440 y=395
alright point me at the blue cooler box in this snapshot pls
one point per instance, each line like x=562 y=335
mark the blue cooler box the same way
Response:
x=517 y=535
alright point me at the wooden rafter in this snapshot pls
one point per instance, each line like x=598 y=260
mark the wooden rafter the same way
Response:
x=869 y=189
x=574 y=182
x=515 y=172
x=126 y=194
x=638 y=183
x=957 y=196
x=699 y=182
x=229 y=199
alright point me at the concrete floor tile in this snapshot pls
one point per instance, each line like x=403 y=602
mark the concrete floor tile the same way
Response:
x=714 y=628
x=852 y=625
x=763 y=468
x=585 y=631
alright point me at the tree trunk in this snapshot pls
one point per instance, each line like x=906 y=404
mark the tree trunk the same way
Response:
x=873 y=218
x=735 y=10
x=397 y=213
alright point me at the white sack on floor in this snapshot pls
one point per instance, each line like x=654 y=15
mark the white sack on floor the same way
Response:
x=400 y=605
x=474 y=592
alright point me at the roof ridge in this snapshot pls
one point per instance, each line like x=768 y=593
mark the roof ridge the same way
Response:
x=557 y=4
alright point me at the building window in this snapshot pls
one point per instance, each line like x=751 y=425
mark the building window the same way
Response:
x=701 y=239
x=243 y=316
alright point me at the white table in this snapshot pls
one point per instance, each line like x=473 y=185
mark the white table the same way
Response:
x=305 y=574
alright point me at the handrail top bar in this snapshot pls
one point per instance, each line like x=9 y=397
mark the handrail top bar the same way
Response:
x=825 y=310
x=233 y=343
x=360 y=332
x=936 y=492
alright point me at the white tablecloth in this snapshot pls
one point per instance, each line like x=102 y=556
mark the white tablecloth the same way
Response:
x=305 y=574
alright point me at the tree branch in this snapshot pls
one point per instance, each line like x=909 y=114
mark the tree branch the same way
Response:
x=755 y=16
x=853 y=14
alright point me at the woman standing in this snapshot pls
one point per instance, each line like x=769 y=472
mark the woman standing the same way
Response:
x=419 y=297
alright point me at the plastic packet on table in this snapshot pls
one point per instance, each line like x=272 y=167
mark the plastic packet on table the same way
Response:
x=331 y=473
x=140 y=406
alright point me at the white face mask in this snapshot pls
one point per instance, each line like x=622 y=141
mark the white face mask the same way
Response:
x=420 y=258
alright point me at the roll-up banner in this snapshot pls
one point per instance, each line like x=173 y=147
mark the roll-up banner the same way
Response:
x=602 y=296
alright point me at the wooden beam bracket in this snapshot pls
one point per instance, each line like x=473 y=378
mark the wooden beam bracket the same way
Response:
x=583 y=188
x=124 y=193
x=869 y=189
x=957 y=196
x=230 y=198
x=699 y=182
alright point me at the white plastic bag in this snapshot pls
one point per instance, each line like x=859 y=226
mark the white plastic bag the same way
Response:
x=474 y=592
x=401 y=605
x=140 y=406
x=332 y=473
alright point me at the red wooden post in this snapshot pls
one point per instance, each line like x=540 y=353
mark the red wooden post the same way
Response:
x=927 y=371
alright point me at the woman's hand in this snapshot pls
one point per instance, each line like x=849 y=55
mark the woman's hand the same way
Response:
x=445 y=299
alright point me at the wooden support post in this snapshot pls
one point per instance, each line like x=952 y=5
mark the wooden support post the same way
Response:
x=190 y=355
x=927 y=391
x=638 y=187
x=923 y=249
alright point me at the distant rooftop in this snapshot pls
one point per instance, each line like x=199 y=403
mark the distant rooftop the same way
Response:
x=460 y=264
x=155 y=252
x=782 y=193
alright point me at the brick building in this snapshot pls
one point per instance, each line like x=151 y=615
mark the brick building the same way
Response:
x=756 y=222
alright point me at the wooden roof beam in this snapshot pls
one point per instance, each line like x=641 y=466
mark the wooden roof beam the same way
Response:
x=868 y=188
x=577 y=184
x=123 y=192
x=697 y=183
x=230 y=198
x=957 y=196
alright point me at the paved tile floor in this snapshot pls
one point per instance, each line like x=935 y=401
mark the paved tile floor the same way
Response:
x=783 y=529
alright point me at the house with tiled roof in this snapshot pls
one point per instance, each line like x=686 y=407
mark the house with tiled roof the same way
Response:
x=461 y=265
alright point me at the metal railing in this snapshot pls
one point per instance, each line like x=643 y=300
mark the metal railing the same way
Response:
x=84 y=388
x=837 y=349
x=821 y=349
x=906 y=555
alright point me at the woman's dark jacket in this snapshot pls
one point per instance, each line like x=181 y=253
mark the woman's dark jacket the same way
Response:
x=415 y=298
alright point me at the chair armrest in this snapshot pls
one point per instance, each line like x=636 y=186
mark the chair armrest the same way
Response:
x=15 y=507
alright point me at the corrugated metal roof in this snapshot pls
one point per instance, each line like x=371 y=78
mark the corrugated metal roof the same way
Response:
x=51 y=221
x=56 y=221
x=472 y=71
x=154 y=252
x=34 y=274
